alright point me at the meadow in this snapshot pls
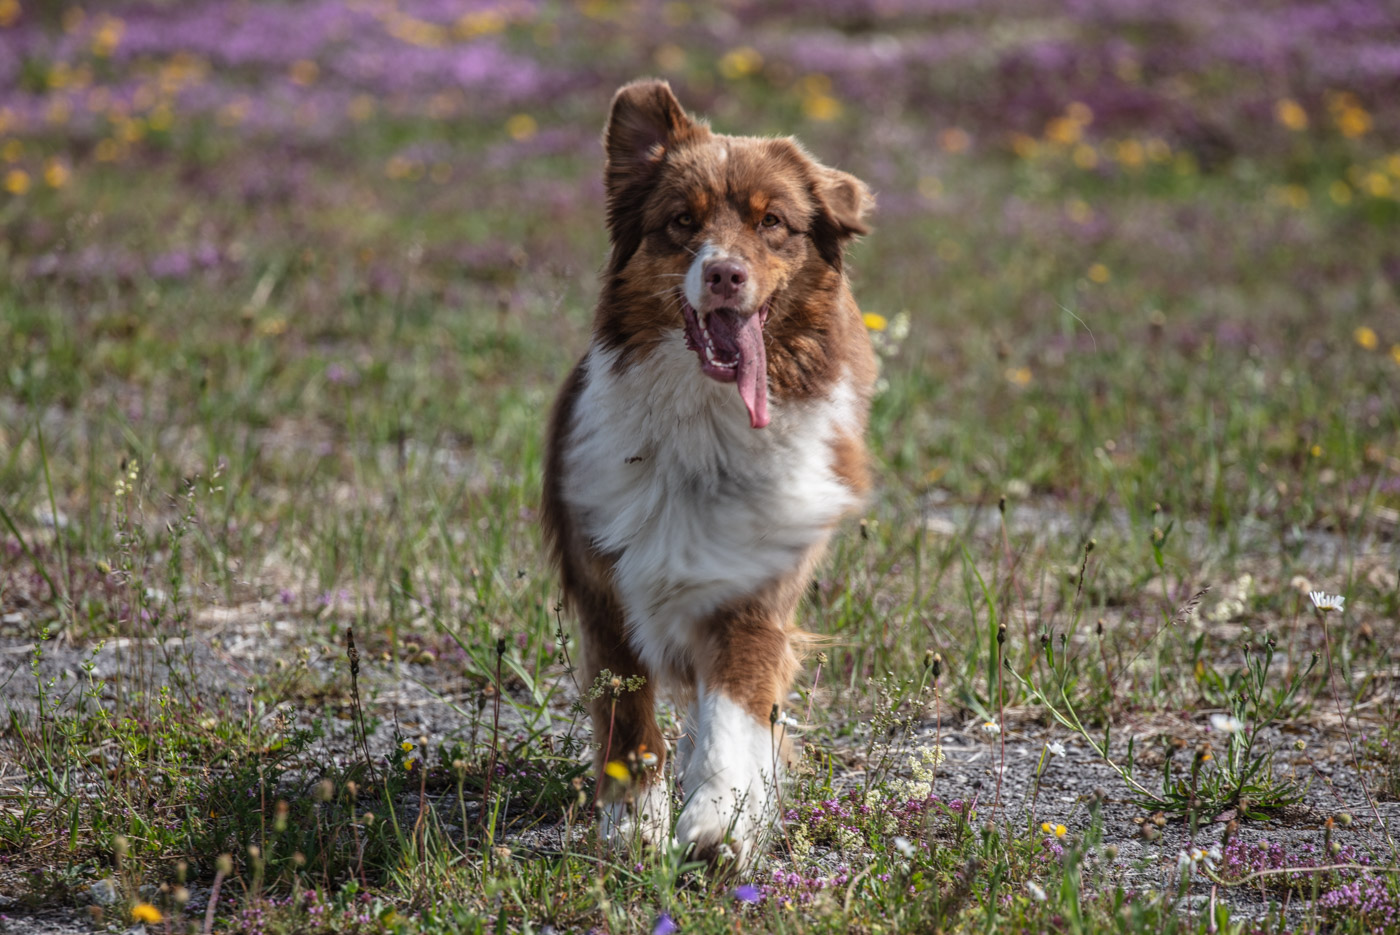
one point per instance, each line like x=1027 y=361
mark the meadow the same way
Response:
x=286 y=290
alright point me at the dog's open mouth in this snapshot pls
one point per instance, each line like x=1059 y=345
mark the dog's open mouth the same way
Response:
x=730 y=347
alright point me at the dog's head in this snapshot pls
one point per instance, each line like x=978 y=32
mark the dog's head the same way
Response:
x=711 y=232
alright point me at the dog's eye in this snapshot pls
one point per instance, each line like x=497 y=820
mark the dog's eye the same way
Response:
x=684 y=220
x=771 y=220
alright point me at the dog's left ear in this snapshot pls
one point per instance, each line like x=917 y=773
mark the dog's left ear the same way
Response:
x=843 y=201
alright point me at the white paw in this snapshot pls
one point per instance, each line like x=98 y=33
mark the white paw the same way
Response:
x=643 y=818
x=729 y=771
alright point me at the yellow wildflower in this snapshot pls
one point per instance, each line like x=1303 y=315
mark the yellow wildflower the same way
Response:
x=617 y=770
x=1395 y=353
x=955 y=140
x=107 y=37
x=821 y=107
x=1292 y=196
x=521 y=127
x=1291 y=114
x=669 y=57
x=740 y=62
x=875 y=321
x=1366 y=337
x=304 y=72
x=480 y=23
x=1021 y=376
x=1130 y=153
x=9 y=13
x=56 y=174
x=1099 y=273
x=16 y=181
x=145 y=912
x=1026 y=147
x=1058 y=831
x=1063 y=131
x=406 y=746
x=1353 y=121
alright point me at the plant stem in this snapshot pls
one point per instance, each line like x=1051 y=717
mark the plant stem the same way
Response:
x=1355 y=762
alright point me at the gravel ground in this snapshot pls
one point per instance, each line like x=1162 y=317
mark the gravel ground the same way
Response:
x=235 y=644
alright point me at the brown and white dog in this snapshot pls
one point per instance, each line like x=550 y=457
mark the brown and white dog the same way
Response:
x=702 y=451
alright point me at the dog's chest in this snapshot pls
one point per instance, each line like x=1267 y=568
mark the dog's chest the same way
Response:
x=664 y=474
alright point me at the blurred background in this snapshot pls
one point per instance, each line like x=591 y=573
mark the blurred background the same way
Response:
x=1130 y=256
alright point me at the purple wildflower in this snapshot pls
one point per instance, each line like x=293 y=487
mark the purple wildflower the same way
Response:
x=747 y=893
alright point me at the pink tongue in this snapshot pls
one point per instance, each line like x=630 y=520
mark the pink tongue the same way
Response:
x=753 y=370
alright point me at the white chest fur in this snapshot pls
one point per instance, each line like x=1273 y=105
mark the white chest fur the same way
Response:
x=663 y=471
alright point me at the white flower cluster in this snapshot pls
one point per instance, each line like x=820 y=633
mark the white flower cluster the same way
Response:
x=922 y=763
x=1226 y=723
x=1234 y=600
x=1188 y=861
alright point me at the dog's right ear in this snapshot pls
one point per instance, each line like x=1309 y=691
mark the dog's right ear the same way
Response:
x=646 y=121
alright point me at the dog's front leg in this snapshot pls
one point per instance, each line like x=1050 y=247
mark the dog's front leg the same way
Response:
x=634 y=801
x=733 y=753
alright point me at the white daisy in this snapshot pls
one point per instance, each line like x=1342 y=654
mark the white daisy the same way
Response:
x=1204 y=858
x=991 y=728
x=1226 y=723
x=1056 y=748
x=1325 y=602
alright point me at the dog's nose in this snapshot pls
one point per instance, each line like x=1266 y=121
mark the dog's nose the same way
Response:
x=725 y=278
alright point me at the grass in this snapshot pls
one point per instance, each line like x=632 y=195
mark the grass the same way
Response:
x=268 y=390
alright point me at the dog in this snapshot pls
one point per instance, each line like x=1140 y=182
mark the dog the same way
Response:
x=699 y=457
